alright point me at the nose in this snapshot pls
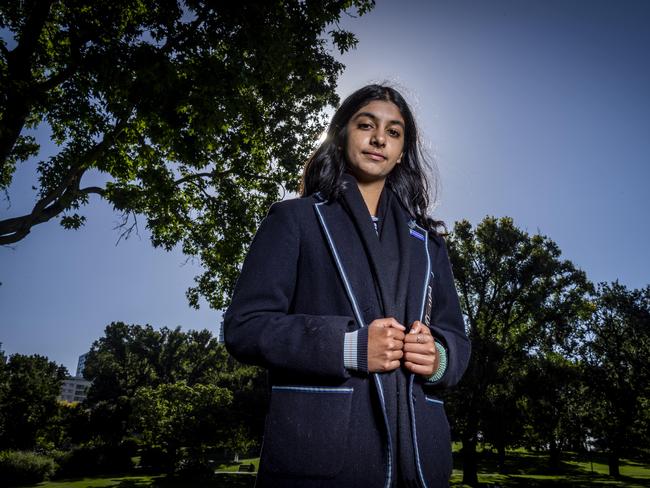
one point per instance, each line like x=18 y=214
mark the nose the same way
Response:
x=378 y=139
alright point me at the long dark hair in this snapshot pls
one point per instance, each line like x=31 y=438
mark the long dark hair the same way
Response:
x=408 y=180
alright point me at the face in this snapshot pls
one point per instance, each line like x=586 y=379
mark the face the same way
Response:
x=375 y=141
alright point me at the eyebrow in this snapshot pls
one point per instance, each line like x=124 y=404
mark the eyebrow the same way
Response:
x=374 y=117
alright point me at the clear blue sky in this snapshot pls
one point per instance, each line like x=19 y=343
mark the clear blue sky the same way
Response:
x=539 y=110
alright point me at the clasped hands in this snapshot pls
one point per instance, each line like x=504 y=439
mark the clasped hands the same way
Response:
x=389 y=346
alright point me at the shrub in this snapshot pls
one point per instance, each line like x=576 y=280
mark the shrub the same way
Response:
x=23 y=467
x=89 y=460
x=156 y=459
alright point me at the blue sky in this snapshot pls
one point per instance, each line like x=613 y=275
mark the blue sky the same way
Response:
x=539 y=110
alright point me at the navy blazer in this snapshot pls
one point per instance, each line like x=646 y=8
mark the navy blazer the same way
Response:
x=311 y=276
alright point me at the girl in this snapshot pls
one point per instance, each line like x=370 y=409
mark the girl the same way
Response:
x=348 y=298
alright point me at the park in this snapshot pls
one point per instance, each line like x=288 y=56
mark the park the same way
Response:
x=194 y=118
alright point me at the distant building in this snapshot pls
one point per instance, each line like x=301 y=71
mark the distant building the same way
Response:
x=221 y=339
x=80 y=366
x=74 y=389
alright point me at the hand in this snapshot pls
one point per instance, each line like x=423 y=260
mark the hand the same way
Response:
x=420 y=353
x=385 y=342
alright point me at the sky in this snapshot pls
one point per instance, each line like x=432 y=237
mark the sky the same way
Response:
x=537 y=110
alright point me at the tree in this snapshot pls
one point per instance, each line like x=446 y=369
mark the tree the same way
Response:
x=617 y=370
x=520 y=300
x=196 y=113
x=133 y=363
x=175 y=416
x=554 y=405
x=29 y=399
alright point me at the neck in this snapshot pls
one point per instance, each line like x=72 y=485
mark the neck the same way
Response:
x=371 y=193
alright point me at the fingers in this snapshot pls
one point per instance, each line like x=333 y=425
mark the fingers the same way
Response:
x=419 y=359
x=388 y=328
x=419 y=328
x=388 y=343
x=385 y=343
x=419 y=369
x=419 y=333
x=388 y=361
x=428 y=348
x=387 y=322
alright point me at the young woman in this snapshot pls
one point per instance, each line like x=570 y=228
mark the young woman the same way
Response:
x=348 y=298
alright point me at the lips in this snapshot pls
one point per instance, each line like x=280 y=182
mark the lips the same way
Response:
x=374 y=155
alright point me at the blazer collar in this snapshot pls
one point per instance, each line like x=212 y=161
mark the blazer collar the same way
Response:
x=414 y=262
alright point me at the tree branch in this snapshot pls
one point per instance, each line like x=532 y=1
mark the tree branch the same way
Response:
x=93 y=189
x=58 y=199
x=17 y=90
x=126 y=232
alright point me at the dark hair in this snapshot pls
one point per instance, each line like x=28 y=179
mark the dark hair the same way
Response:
x=408 y=180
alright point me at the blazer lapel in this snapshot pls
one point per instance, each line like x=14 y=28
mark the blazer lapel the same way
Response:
x=350 y=257
x=420 y=272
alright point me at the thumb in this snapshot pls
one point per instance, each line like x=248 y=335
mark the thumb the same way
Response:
x=416 y=327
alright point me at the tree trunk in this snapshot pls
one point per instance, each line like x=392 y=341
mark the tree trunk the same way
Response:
x=501 y=459
x=554 y=455
x=470 y=463
x=613 y=462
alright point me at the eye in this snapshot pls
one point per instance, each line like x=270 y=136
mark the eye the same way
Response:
x=394 y=133
x=364 y=125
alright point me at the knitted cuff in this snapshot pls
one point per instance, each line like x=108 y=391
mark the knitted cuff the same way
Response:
x=442 y=364
x=355 y=350
x=362 y=349
x=350 y=350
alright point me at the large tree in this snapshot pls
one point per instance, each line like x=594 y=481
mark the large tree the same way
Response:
x=183 y=422
x=133 y=364
x=617 y=370
x=29 y=387
x=196 y=114
x=520 y=299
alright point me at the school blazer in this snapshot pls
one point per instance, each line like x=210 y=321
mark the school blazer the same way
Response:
x=309 y=278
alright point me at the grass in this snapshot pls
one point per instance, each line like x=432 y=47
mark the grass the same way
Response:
x=528 y=469
x=524 y=469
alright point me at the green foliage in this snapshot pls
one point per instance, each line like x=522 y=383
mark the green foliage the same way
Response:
x=175 y=415
x=179 y=393
x=199 y=114
x=28 y=399
x=67 y=427
x=617 y=370
x=554 y=405
x=522 y=303
x=22 y=468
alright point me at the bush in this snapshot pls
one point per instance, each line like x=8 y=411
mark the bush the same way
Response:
x=90 y=460
x=24 y=468
x=156 y=459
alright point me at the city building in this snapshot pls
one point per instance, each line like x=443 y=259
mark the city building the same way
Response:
x=80 y=366
x=220 y=339
x=75 y=388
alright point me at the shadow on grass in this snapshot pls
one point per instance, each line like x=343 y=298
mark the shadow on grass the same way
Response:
x=218 y=481
x=531 y=469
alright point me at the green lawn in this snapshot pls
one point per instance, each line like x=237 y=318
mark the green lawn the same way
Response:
x=221 y=480
x=525 y=469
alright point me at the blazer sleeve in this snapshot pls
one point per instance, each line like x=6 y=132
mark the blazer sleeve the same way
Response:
x=447 y=322
x=259 y=327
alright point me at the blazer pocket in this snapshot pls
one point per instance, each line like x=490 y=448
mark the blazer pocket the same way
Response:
x=306 y=431
x=434 y=441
